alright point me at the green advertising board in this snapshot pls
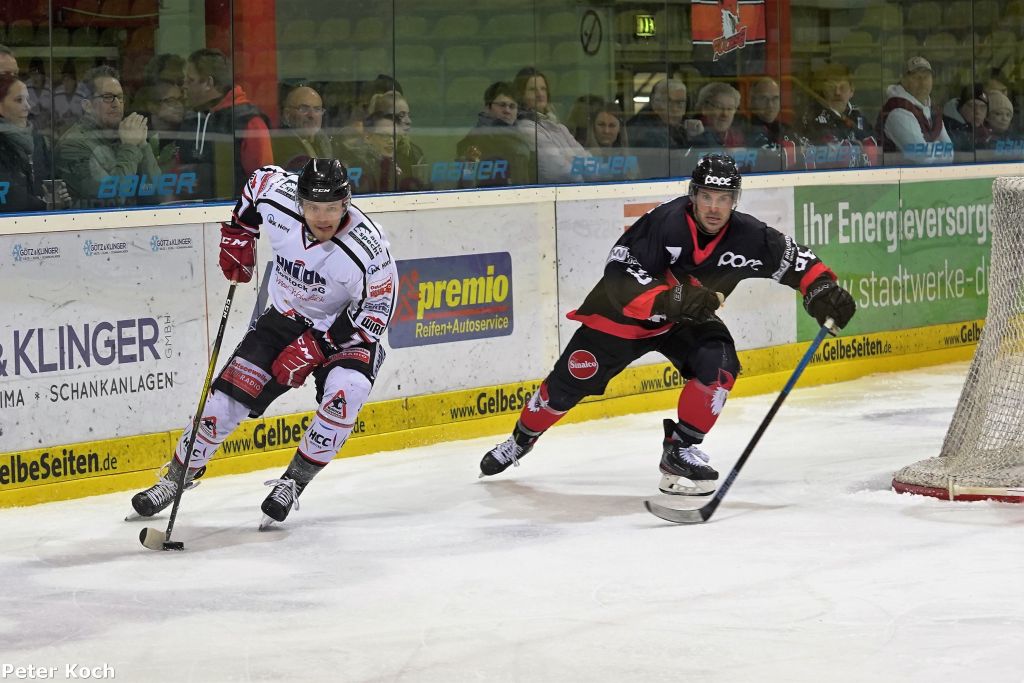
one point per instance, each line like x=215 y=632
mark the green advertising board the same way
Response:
x=911 y=254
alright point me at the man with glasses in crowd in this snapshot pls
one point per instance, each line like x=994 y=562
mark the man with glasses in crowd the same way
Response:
x=105 y=157
x=497 y=140
x=660 y=122
x=302 y=136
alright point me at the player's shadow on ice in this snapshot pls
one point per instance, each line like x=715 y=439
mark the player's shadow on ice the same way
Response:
x=516 y=500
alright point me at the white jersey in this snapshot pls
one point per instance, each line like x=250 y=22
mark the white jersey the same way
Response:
x=346 y=285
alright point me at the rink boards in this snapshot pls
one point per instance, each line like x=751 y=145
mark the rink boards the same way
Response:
x=103 y=352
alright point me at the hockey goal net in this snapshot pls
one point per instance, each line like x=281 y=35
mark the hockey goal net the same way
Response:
x=982 y=455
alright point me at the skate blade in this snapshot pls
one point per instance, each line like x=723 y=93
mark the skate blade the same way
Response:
x=681 y=486
x=154 y=539
x=266 y=522
x=133 y=516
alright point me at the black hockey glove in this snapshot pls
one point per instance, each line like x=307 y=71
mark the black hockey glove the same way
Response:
x=825 y=299
x=686 y=303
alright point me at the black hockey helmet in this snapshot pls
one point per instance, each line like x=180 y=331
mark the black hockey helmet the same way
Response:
x=324 y=180
x=717 y=172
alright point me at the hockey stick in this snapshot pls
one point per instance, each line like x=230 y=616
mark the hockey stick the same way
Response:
x=154 y=539
x=703 y=514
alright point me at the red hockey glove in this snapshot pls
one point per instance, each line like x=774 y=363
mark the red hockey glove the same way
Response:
x=237 y=253
x=293 y=365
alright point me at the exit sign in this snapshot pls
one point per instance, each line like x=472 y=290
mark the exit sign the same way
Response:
x=644 y=26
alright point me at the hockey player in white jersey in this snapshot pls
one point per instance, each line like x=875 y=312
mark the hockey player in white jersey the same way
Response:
x=332 y=292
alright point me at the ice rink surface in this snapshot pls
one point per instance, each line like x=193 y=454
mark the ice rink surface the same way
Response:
x=405 y=567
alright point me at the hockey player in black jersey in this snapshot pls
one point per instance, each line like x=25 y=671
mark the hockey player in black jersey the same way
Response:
x=663 y=281
x=332 y=293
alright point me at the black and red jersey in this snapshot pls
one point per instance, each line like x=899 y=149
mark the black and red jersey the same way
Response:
x=663 y=248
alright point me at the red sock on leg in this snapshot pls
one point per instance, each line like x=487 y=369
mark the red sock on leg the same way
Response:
x=700 y=404
x=537 y=416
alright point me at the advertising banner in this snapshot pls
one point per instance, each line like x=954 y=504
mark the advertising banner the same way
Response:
x=911 y=255
x=100 y=334
x=453 y=298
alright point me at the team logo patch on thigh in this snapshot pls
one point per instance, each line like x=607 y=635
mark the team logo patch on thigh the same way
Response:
x=582 y=364
x=247 y=376
x=335 y=409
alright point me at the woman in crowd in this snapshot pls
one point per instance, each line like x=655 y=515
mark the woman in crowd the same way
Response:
x=24 y=155
x=388 y=129
x=608 y=141
x=555 y=146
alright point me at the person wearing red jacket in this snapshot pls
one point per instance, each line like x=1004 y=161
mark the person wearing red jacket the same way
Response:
x=227 y=137
x=663 y=281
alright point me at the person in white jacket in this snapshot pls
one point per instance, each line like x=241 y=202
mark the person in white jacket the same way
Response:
x=909 y=122
x=557 y=149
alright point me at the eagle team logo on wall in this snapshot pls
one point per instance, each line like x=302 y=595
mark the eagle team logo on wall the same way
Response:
x=728 y=25
x=452 y=298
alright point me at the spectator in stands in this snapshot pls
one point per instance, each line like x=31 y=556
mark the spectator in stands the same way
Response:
x=39 y=94
x=717 y=104
x=163 y=104
x=496 y=138
x=24 y=155
x=606 y=130
x=232 y=137
x=302 y=136
x=68 y=98
x=964 y=119
x=608 y=141
x=908 y=122
x=8 y=63
x=1000 y=117
x=555 y=147
x=834 y=119
x=764 y=128
x=381 y=149
x=105 y=146
x=659 y=123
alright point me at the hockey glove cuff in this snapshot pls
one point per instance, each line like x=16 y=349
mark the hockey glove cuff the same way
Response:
x=825 y=299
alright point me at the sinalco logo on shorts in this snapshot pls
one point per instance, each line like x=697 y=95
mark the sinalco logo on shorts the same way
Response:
x=582 y=364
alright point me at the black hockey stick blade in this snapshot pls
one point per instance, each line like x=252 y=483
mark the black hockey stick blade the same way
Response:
x=676 y=516
x=704 y=513
x=154 y=539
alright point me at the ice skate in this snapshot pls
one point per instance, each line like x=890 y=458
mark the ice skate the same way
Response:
x=158 y=496
x=508 y=452
x=684 y=469
x=287 y=489
x=281 y=500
